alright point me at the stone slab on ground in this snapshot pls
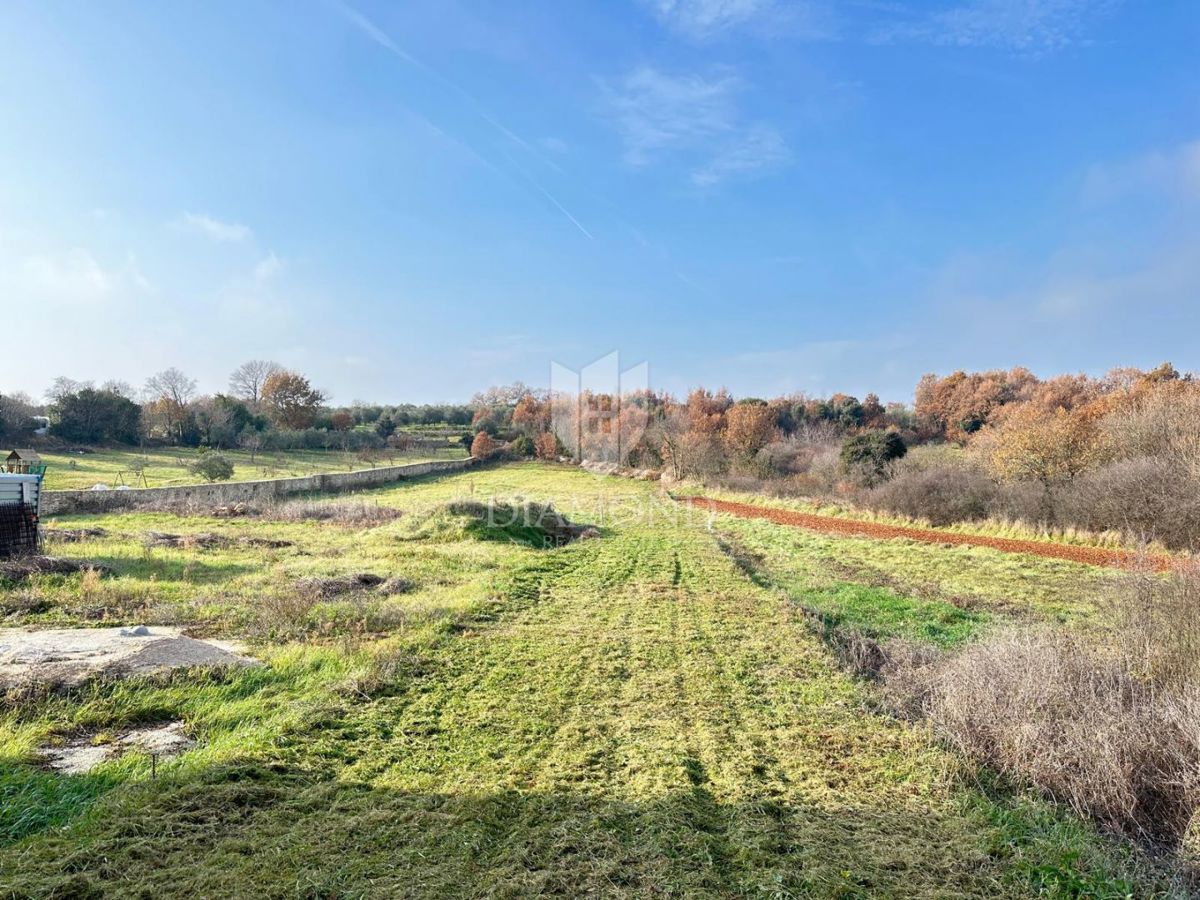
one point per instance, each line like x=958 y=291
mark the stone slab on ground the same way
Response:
x=80 y=755
x=67 y=656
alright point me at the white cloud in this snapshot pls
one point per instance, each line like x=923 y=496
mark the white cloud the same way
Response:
x=656 y=112
x=1175 y=172
x=70 y=279
x=702 y=20
x=267 y=268
x=1022 y=25
x=694 y=116
x=215 y=229
x=760 y=148
x=75 y=275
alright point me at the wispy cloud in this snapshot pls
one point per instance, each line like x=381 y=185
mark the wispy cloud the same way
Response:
x=267 y=268
x=1031 y=26
x=658 y=114
x=215 y=229
x=703 y=20
x=76 y=274
x=759 y=149
x=1174 y=171
x=74 y=278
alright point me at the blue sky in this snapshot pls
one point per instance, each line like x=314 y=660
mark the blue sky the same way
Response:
x=411 y=201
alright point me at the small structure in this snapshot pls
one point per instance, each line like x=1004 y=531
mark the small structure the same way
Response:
x=20 y=503
x=24 y=462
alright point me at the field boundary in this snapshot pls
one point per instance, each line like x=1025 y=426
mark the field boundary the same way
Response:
x=58 y=503
x=1092 y=556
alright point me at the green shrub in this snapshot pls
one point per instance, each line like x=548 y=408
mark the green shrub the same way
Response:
x=522 y=447
x=865 y=457
x=212 y=466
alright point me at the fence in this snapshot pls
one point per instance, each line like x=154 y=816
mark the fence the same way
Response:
x=58 y=503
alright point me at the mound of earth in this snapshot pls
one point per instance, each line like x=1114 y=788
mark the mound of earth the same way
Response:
x=27 y=566
x=75 y=535
x=68 y=656
x=523 y=522
x=207 y=540
x=323 y=587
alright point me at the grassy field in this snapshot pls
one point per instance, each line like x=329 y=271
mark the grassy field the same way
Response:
x=164 y=467
x=647 y=712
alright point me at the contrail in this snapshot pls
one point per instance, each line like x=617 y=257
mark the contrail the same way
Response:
x=381 y=37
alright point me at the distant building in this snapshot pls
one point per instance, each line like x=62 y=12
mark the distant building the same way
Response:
x=20 y=502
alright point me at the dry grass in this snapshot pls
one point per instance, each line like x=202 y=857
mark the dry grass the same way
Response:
x=357 y=513
x=1111 y=730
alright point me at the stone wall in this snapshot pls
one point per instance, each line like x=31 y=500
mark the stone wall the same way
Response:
x=58 y=503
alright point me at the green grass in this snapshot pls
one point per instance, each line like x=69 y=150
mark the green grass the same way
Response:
x=637 y=714
x=165 y=467
x=1016 y=530
x=1005 y=585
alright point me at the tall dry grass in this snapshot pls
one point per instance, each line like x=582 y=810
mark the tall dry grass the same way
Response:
x=1110 y=728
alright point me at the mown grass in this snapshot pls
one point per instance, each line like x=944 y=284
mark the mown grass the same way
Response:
x=1009 y=585
x=630 y=715
x=166 y=467
x=1016 y=530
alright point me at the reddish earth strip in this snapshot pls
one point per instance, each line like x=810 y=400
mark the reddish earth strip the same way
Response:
x=1092 y=556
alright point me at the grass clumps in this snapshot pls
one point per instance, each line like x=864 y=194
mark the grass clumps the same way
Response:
x=527 y=523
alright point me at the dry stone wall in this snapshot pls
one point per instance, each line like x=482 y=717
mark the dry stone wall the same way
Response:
x=57 y=503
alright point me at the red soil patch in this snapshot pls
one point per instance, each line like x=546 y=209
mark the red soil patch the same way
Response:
x=1092 y=556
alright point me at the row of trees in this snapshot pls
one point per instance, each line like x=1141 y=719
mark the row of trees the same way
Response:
x=266 y=406
x=1119 y=452
x=707 y=434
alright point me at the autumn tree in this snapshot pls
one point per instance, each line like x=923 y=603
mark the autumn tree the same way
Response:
x=292 y=401
x=341 y=421
x=748 y=428
x=248 y=379
x=483 y=447
x=1034 y=444
x=873 y=411
x=546 y=446
x=957 y=406
x=706 y=410
x=531 y=415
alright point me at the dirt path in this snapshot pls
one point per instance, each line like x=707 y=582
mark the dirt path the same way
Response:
x=1092 y=556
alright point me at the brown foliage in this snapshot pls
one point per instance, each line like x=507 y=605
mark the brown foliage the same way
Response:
x=545 y=445
x=531 y=415
x=291 y=400
x=483 y=447
x=706 y=410
x=748 y=428
x=960 y=404
x=1031 y=444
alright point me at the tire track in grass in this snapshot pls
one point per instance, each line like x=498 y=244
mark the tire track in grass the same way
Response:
x=1092 y=556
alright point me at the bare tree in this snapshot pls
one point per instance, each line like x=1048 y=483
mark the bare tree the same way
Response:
x=63 y=387
x=170 y=391
x=120 y=388
x=247 y=380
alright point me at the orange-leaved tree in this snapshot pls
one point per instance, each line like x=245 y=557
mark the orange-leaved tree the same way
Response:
x=483 y=447
x=292 y=401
